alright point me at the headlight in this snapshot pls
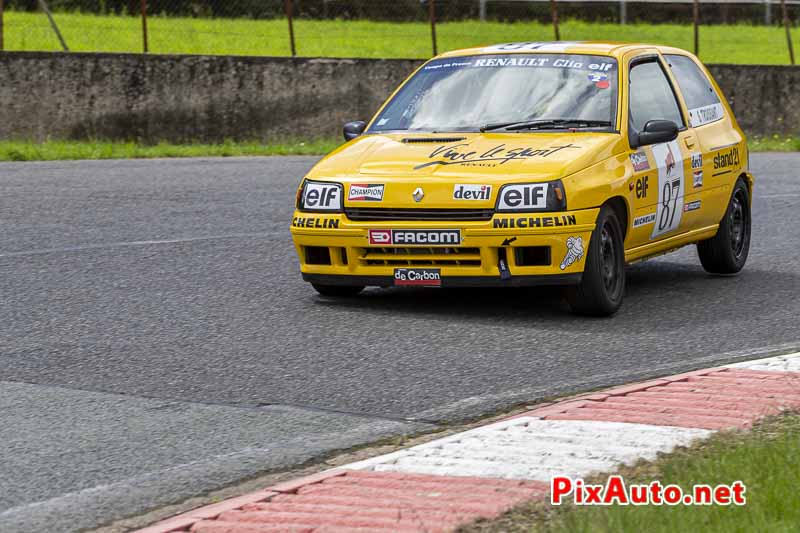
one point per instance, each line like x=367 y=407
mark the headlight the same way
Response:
x=519 y=197
x=320 y=196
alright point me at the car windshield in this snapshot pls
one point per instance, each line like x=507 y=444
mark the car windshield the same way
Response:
x=505 y=92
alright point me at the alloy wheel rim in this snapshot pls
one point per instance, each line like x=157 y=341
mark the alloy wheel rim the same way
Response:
x=738 y=224
x=609 y=262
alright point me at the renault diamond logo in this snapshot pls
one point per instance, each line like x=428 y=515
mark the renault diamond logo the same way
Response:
x=419 y=194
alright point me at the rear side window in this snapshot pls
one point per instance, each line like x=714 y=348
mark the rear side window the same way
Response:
x=651 y=96
x=701 y=98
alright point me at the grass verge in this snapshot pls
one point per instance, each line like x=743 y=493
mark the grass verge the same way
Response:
x=766 y=460
x=65 y=150
x=54 y=150
x=732 y=43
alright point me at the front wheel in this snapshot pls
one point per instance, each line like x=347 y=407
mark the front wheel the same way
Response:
x=726 y=252
x=603 y=285
x=339 y=291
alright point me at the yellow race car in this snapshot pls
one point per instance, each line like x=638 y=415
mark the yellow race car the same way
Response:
x=531 y=163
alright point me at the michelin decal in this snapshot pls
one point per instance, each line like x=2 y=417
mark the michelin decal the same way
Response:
x=574 y=252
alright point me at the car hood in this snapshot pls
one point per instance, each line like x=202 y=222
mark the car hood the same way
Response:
x=438 y=162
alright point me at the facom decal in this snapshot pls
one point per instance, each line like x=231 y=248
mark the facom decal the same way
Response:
x=380 y=237
x=365 y=192
x=315 y=222
x=523 y=197
x=670 y=188
x=728 y=158
x=419 y=277
x=574 y=252
x=644 y=220
x=534 y=222
x=322 y=196
x=692 y=206
x=472 y=192
x=415 y=237
x=700 y=116
x=462 y=154
x=639 y=161
x=697 y=170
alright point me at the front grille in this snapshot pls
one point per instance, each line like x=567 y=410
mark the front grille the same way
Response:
x=381 y=213
x=421 y=256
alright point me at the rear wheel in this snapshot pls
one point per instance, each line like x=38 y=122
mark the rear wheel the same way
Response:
x=340 y=291
x=726 y=252
x=603 y=285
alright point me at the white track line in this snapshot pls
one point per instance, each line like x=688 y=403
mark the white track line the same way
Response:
x=781 y=363
x=535 y=449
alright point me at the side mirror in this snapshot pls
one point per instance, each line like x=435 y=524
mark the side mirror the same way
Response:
x=657 y=131
x=354 y=129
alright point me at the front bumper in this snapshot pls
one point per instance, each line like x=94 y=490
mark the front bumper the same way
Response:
x=533 y=247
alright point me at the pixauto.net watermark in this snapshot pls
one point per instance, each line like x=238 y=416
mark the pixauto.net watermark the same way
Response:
x=616 y=492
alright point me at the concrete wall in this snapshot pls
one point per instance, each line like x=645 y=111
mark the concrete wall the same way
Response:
x=210 y=98
x=765 y=99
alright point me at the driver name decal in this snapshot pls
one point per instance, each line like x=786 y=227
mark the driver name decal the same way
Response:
x=461 y=154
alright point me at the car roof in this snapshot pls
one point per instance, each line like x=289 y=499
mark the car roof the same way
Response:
x=614 y=49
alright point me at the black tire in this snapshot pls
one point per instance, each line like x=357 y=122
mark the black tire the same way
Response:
x=338 y=291
x=726 y=252
x=602 y=288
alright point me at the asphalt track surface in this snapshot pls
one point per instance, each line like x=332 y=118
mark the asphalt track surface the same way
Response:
x=157 y=342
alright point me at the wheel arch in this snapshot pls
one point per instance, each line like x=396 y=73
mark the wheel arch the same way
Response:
x=620 y=206
x=748 y=181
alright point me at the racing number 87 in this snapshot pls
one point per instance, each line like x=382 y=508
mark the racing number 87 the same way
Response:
x=669 y=204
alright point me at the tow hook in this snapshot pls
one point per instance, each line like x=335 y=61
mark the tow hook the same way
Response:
x=502 y=265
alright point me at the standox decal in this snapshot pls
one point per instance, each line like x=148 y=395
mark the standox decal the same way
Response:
x=729 y=158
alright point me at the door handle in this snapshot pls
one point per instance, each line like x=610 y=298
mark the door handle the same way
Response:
x=689 y=141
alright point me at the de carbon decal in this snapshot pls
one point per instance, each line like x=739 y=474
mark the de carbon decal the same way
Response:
x=315 y=222
x=365 y=192
x=534 y=222
x=461 y=154
x=419 y=277
x=574 y=252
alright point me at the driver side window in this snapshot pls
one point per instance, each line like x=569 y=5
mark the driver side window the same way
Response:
x=651 y=97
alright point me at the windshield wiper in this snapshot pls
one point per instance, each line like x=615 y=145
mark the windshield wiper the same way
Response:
x=542 y=124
